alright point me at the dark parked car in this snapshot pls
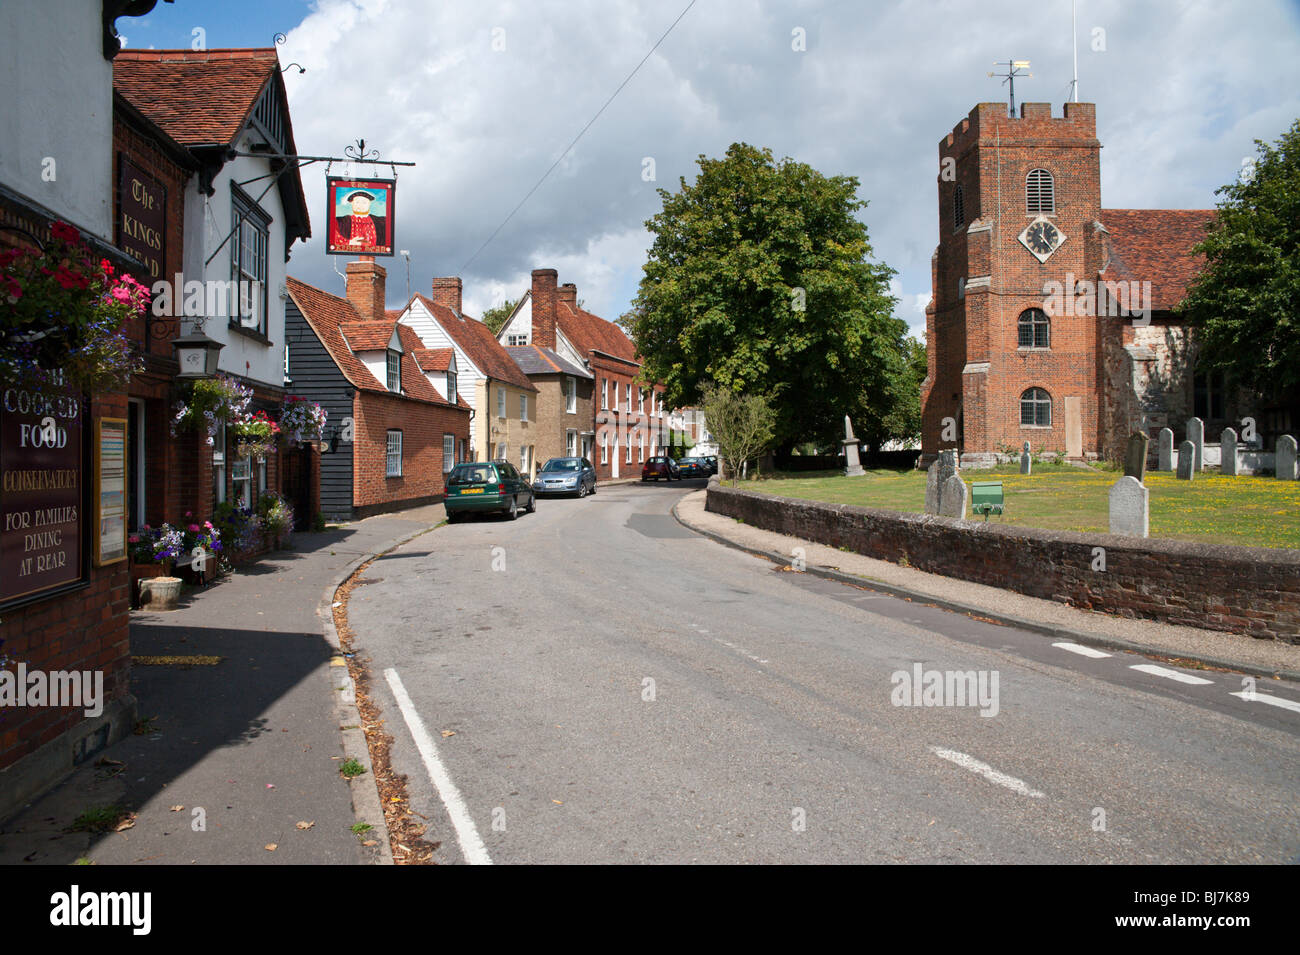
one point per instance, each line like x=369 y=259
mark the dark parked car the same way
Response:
x=694 y=467
x=712 y=461
x=660 y=468
x=487 y=486
x=566 y=476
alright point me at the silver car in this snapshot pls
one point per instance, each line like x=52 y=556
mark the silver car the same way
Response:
x=566 y=476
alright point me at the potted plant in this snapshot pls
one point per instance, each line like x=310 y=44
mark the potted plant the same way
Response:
x=163 y=546
x=62 y=317
x=302 y=421
x=212 y=403
x=255 y=435
x=277 y=518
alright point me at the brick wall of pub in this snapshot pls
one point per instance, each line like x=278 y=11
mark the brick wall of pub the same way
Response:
x=1242 y=590
x=623 y=423
x=993 y=155
x=86 y=629
x=422 y=426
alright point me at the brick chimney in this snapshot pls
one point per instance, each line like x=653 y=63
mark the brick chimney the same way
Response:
x=568 y=293
x=446 y=292
x=366 y=289
x=544 y=295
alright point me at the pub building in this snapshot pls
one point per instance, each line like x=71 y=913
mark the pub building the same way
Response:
x=64 y=578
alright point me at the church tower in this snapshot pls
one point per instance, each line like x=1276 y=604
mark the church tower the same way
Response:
x=1019 y=220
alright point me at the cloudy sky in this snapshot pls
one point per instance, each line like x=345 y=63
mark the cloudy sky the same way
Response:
x=485 y=96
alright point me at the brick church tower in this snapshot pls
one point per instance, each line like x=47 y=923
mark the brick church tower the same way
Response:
x=1019 y=209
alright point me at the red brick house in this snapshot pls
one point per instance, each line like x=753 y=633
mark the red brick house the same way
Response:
x=629 y=422
x=391 y=434
x=1052 y=318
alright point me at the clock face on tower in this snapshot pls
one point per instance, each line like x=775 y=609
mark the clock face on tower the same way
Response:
x=1042 y=238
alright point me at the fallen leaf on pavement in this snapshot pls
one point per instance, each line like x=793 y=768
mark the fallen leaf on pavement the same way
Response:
x=271 y=846
x=127 y=823
x=370 y=842
x=557 y=802
x=177 y=808
x=306 y=825
x=446 y=733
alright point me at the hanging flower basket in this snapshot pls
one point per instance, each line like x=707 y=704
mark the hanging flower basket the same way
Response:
x=212 y=402
x=302 y=421
x=255 y=436
x=61 y=317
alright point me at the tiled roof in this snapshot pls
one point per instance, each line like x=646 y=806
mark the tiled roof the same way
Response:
x=328 y=315
x=434 y=359
x=536 y=360
x=368 y=336
x=477 y=341
x=1155 y=245
x=199 y=97
x=590 y=332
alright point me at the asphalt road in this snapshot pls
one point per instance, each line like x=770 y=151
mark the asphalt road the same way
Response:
x=595 y=683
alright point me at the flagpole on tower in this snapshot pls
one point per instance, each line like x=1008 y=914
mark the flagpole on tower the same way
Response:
x=1074 y=38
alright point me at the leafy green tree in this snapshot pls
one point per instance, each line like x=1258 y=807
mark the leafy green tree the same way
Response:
x=1245 y=304
x=760 y=280
x=741 y=425
x=903 y=418
x=495 y=317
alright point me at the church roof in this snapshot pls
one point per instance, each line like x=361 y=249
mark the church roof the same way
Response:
x=1155 y=245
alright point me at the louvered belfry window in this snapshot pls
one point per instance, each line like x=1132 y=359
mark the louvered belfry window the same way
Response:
x=1040 y=193
x=958 y=208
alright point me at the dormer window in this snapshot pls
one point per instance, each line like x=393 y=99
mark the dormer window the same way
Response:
x=1040 y=193
x=394 y=371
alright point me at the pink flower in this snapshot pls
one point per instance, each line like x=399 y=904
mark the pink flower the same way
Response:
x=194 y=528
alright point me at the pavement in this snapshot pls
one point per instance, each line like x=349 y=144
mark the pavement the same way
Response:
x=1092 y=628
x=235 y=760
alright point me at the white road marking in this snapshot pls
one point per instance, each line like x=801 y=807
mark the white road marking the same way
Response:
x=987 y=771
x=1082 y=650
x=1170 y=674
x=1258 y=697
x=471 y=846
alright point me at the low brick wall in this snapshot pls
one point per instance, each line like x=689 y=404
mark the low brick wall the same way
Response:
x=1245 y=590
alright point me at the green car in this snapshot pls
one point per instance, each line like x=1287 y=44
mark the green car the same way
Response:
x=487 y=486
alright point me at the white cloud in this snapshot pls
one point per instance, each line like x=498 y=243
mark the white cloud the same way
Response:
x=1181 y=90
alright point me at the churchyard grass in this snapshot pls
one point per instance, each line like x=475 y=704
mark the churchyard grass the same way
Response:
x=1248 y=511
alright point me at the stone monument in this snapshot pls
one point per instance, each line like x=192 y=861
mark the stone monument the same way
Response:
x=1228 y=452
x=1196 y=435
x=953 y=496
x=1285 y=458
x=1135 y=457
x=1129 y=501
x=944 y=466
x=1026 y=464
x=1166 y=453
x=1186 y=460
x=852 y=464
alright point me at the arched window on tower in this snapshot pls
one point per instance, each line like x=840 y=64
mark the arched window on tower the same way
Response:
x=1036 y=408
x=958 y=207
x=1040 y=193
x=1034 y=329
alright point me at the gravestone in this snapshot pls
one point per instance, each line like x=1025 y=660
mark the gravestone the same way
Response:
x=852 y=464
x=944 y=466
x=1026 y=465
x=1196 y=435
x=1129 y=501
x=1186 y=458
x=952 y=497
x=1228 y=452
x=1166 y=453
x=1285 y=458
x=1135 y=458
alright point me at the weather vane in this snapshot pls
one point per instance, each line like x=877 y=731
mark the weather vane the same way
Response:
x=1009 y=77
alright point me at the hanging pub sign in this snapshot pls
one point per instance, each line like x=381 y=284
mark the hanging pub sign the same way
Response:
x=142 y=217
x=360 y=216
x=42 y=493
